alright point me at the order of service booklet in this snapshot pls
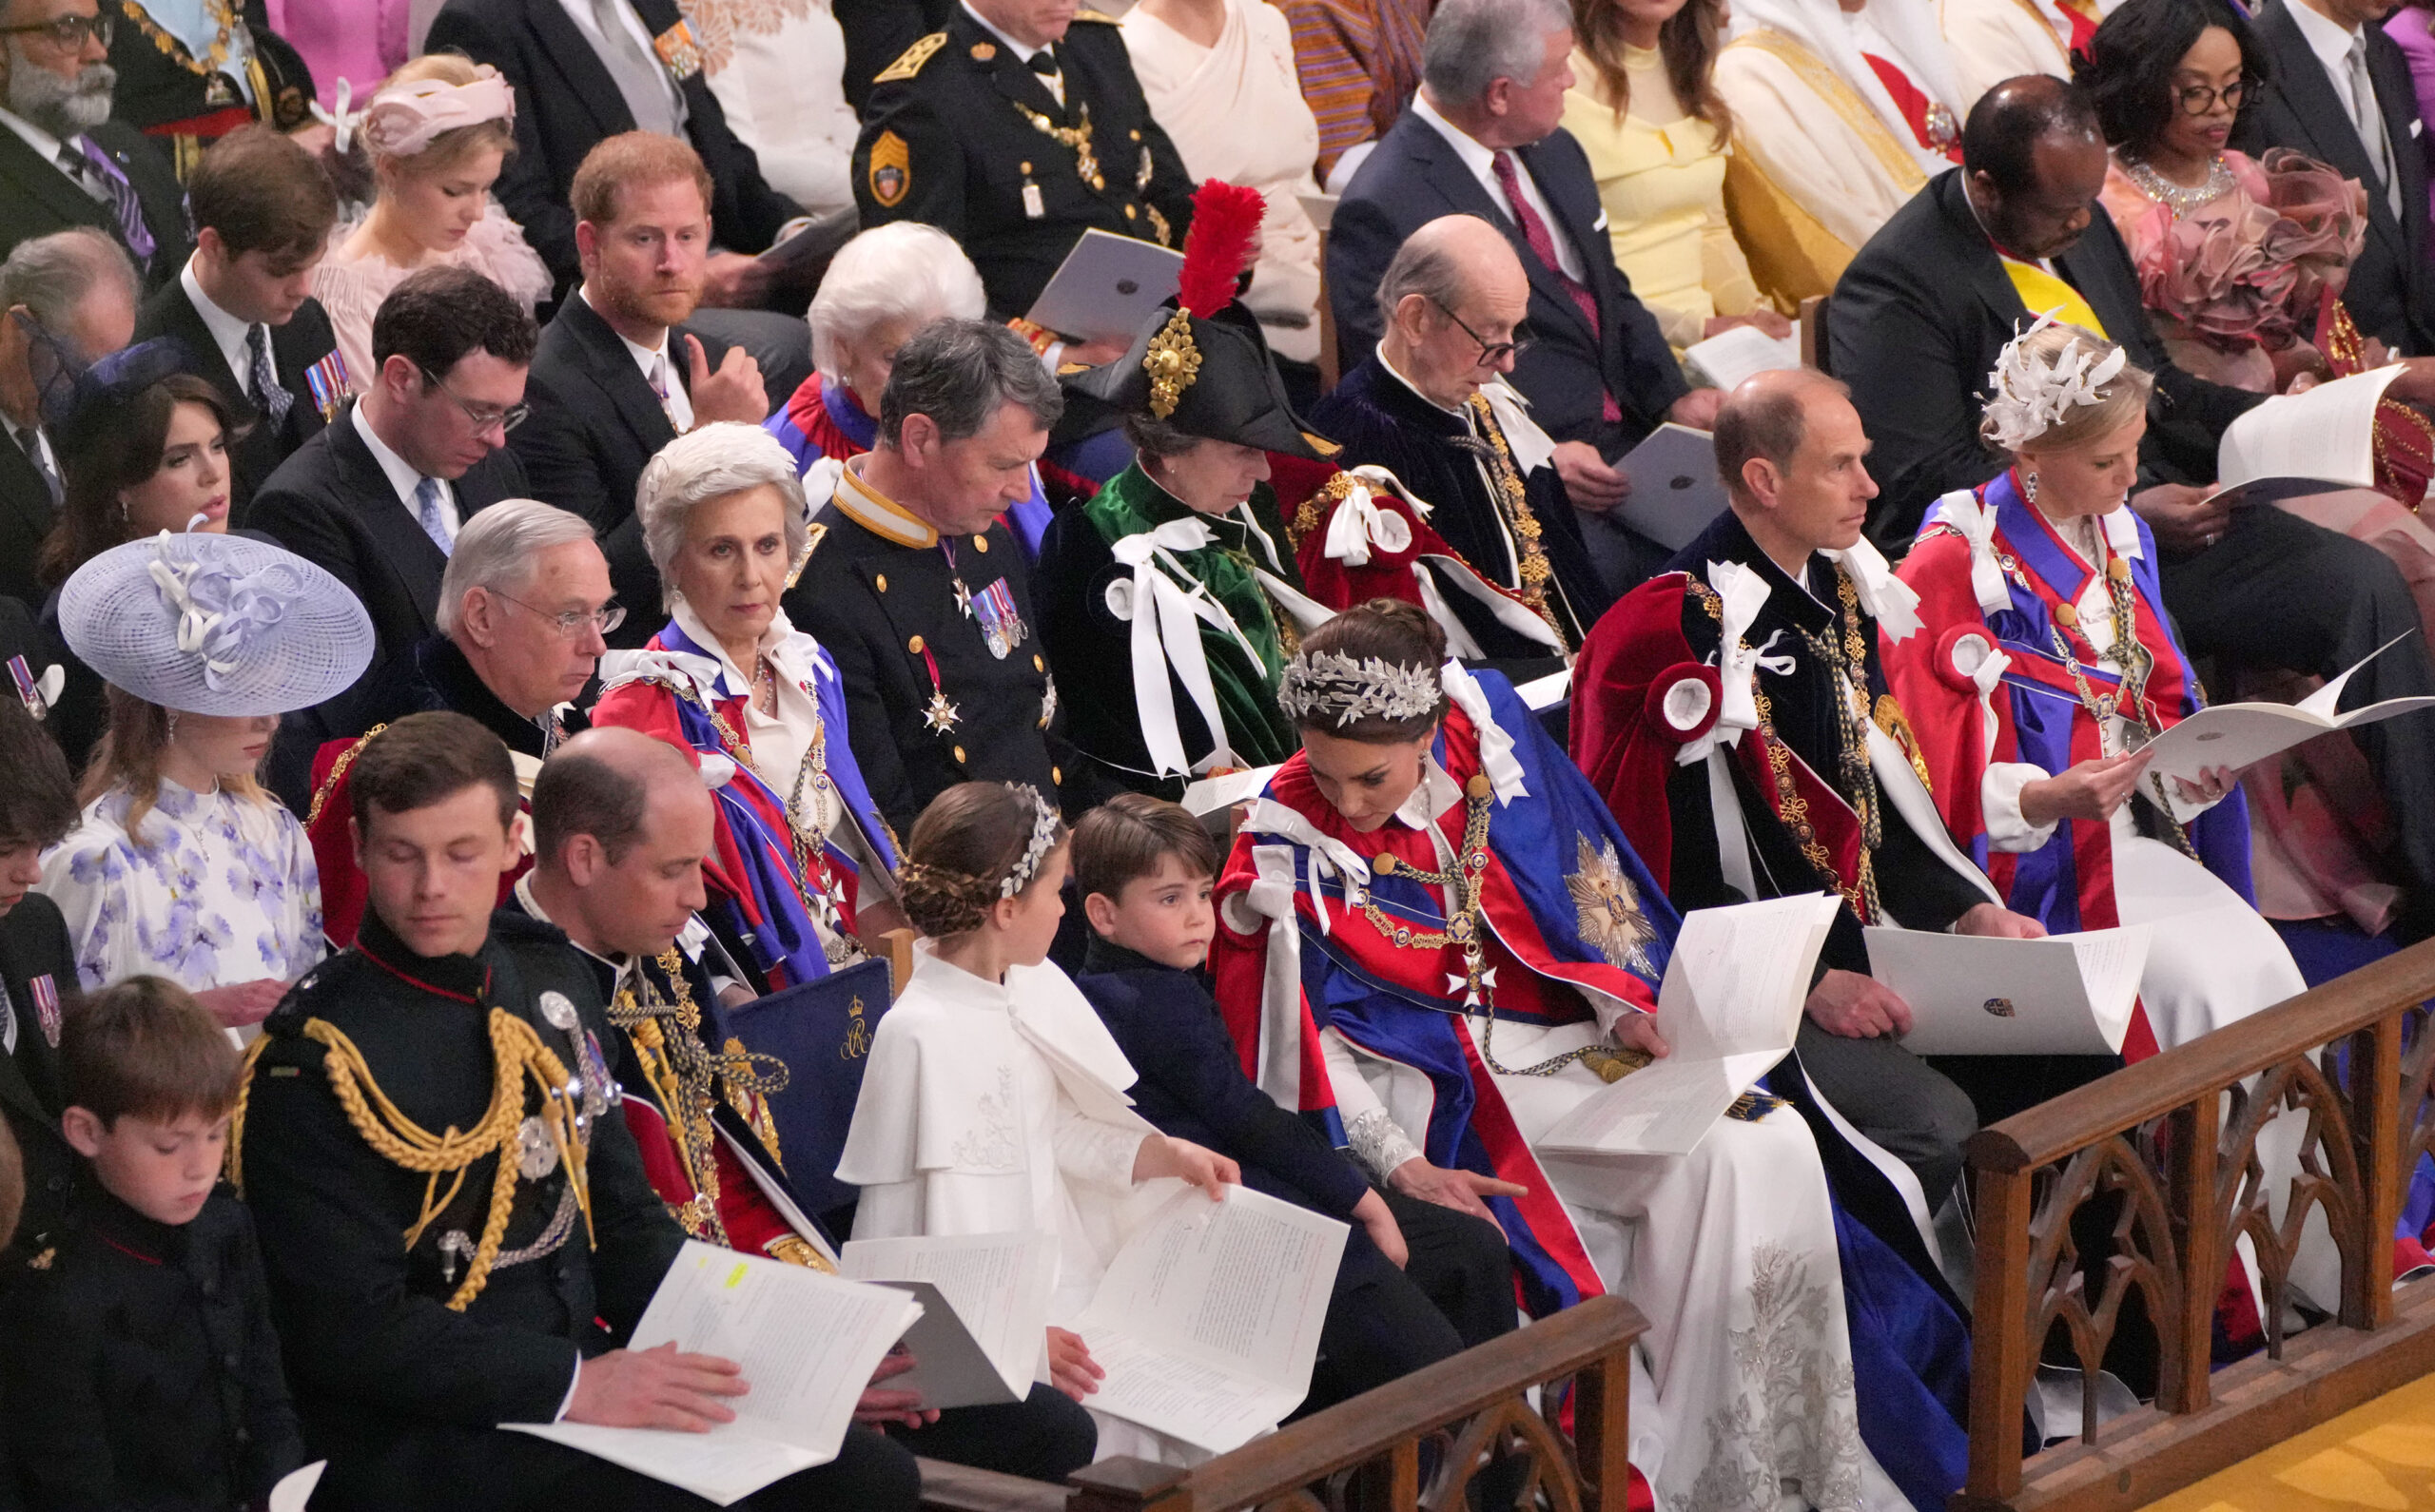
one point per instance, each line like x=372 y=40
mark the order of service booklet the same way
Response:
x=1207 y=1321
x=1728 y=1009
x=808 y=1343
x=984 y=1310
x=1972 y=994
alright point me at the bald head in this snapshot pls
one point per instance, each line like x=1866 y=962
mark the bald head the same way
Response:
x=1455 y=271
x=1791 y=452
x=621 y=824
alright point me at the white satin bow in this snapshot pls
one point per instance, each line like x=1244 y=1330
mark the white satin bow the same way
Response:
x=1496 y=746
x=1164 y=613
x=342 y=122
x=1893 y=602
x=1976 y=524
x=1744 y=593
x=1359 y=524
x=1988 y=674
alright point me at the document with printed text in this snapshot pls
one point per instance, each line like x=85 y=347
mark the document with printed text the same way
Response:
x=2065 y=995
x=983 y=1343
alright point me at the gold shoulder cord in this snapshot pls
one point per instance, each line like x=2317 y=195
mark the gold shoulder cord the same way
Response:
x=517 y=1052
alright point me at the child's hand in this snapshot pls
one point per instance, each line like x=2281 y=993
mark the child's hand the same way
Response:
x=1071 y=1369
x=1372 y=1213
x=1162 y=1156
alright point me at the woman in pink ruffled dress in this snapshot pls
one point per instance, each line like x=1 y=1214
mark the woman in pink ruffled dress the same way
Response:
x=2241 y=264
x=436 y=134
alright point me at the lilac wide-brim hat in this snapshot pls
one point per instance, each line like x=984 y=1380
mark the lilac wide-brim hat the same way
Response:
x=215 y=625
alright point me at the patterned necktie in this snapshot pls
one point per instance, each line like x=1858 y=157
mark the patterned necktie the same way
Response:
x=659 y=383
x=2368 y=121
x=30 y=441
x=434 y=523
x=90 y=167
x=266 y=392
x=1542 y=245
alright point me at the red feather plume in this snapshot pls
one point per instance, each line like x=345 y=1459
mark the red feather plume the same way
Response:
x=1225 y=228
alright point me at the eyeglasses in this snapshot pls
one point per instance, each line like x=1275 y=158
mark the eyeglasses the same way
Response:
x=575 y=621
x=484 y=418
x=2198 y=99
x=55 y=376
x=68 y=32
x=1491 y=353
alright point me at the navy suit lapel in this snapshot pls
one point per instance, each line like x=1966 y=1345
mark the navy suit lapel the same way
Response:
x=2317 y=105
x=613 y=368
x=2397 y=97
x=586 y=77
x=1445 y=169
x=397 y=536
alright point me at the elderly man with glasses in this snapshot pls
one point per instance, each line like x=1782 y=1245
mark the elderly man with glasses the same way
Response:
x=64 y=162
x=378 y=498
x=1432 y=404
x=524 y=614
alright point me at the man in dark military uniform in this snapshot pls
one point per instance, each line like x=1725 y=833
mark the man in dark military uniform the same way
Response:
x=37 y=967
x=1014 y=135
x=918 y=591
x=450 y=1208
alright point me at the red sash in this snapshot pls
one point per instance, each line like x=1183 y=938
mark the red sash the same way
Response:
x=1930 y=123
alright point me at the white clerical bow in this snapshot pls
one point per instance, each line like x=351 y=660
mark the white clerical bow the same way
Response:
x=1744 y=593
x=1163 y=612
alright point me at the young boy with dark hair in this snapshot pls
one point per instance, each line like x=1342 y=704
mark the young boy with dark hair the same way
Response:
x=141 y=1368
x=37 y=967
x=1418 y=1282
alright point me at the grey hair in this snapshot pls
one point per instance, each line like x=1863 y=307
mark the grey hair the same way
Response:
x=1472 y=44
x=901 y=272
x=708 y=462
x=497 y=550
x=1423 y=265
x=960 y=373
x=51 y=275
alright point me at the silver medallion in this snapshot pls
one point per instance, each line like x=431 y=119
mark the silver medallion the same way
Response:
x=536 y=1154
x=559 y=1010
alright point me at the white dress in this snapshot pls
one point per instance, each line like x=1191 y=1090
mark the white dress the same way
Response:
x=778 y=68
x=214 y=891
x=1729 y=1251
x=965 y=1125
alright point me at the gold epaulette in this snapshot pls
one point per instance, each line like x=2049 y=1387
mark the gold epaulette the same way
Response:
x=337 y=769
x=909 y=62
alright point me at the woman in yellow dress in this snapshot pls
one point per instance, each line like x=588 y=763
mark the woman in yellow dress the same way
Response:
x=1644 y=107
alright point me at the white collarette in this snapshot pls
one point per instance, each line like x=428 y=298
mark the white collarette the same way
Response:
x=1431 y=796
x=46 y=146
x=876 y=513
x=773 y=644
x=678 y=400
x=230 y=332
x=402 y=475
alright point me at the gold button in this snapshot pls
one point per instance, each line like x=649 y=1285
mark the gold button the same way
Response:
x=981 y=543
x=959 y=755
x=1044 y=721
x=2066 y=615
x=914 y=645
x=1056 y=778
x=1036 y=665
x=1135 y=135
x=1098 y=182
x=1026 y=169
x=1130 y=212
x=883 y=582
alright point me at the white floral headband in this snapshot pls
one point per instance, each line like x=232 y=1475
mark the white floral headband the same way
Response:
x=1332 y=683
x=2029 y=398
x=1043 y=839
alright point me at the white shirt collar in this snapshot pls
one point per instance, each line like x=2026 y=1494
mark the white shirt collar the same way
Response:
x=228 y=331
x=773 y=639
x=1432 y=796
x=46 y=146
x=679 y=401
x=1481 y=159
x=400 y=472
x=2328 y=38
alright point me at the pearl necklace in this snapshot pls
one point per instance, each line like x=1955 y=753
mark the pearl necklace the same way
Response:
x=2180 y=200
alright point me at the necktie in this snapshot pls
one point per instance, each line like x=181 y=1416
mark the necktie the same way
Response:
x=264 y=390
x=2369 y=122
x=1542 y=245
x=427 y=513
x=639 y=75
x=90 y=167
x=659 y=386
x=30 y=441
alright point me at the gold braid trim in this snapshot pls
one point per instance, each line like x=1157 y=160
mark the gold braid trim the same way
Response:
x=517 y=1053
x=330 y=783
x=1512 y=497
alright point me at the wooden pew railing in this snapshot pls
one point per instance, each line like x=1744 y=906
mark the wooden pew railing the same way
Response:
x=2163 y=1157
x=1367 y=1453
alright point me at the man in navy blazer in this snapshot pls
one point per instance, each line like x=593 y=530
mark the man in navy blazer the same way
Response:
x=1481 y=139
x=2319 y=47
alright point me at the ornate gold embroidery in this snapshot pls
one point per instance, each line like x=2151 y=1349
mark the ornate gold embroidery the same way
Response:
x=1606 y=907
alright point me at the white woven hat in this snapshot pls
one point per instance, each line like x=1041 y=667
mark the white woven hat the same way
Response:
x=215 y=625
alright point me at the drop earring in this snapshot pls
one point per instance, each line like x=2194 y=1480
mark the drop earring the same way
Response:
x=2029 y=486
x=171 y=738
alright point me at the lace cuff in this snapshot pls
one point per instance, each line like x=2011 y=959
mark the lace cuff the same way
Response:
x=1378 y=1143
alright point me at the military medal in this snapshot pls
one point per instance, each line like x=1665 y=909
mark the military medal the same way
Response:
x=30 y=689
x=536 y=1154
x=678 y=52
x=559 y=1011
x=1034 y=208
x=47 y=1007
x=327 y=382
x=939 y=714
x=1002 y=623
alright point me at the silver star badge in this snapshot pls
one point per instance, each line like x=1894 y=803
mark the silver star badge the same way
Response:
x=940 y=715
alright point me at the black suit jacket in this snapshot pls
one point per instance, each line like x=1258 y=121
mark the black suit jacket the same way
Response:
x=566 y=103
x=2388 y=295
x=38 y=198
x=26 y=515
x=294 y=348
x=594 y=423
x=332 y=505
x=1412 y=179
x=33 y=942
x=1916 y=325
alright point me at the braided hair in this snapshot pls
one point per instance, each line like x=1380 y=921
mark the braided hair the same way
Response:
x=971 y=842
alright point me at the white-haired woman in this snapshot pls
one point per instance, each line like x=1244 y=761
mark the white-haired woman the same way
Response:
x=801 y=871
x=881 y=286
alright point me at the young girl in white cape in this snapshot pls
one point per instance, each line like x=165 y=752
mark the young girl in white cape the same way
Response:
x=992 y=1103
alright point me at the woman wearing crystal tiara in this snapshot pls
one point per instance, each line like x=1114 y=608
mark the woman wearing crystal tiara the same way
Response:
x=1400 y=960
x=987 y=1105
x=799 y=869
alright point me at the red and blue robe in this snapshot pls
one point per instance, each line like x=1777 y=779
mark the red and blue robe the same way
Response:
x=2067 y=884
x=760 y=896
x=822 y=420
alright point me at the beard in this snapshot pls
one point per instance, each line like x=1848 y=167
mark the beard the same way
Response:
x=64 y=108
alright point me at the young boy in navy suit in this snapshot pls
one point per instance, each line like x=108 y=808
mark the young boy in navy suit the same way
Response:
x=1418 y=1282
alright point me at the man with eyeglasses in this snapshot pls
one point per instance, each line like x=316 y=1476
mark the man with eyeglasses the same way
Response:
x=1431 y=405
x=2339 y=90
x=63 y=161
x=379 y=497
x=525 y=607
